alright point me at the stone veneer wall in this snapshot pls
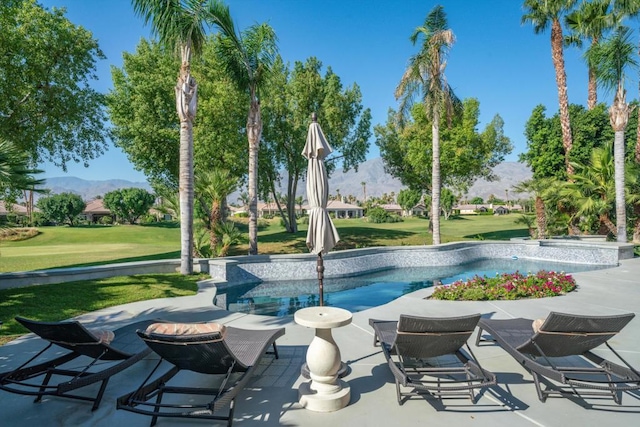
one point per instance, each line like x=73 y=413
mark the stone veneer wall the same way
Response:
x=235 y=270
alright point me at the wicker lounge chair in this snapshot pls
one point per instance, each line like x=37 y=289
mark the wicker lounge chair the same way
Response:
x=551 y=353
x=230 y=354
x=120 y=349
x=425 y=354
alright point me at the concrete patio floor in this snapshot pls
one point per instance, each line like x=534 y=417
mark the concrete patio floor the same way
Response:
x=272 y=398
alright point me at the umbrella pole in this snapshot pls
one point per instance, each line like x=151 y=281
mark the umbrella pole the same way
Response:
x=320 y=269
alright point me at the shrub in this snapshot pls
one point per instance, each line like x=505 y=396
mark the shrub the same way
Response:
x=106 y=220
x=507 y=286
x=377 y=215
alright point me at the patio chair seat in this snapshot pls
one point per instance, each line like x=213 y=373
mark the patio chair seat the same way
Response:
x=425 y=354
x=229 y=354
x=560 y=353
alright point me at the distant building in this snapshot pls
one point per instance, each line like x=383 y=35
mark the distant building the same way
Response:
x=337 y=208
x=500 y=210
x=94 y=210
x=393 y=208
x=13 y=209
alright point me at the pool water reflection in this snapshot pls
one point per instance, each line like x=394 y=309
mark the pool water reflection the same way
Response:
x=283 y=298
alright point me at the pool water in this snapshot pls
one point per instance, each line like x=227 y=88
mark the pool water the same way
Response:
x=283 y=298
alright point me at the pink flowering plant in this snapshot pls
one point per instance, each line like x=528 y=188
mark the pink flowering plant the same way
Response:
x=507 y=286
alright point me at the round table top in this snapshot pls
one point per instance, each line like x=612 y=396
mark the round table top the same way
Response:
x=322 y=317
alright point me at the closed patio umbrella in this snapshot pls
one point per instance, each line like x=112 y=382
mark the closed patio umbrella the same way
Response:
x=322 y=235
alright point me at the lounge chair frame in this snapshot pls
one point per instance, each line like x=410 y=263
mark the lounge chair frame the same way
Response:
x=412 y=345
x=73 y=336
x=543 y=353
x=234 y=357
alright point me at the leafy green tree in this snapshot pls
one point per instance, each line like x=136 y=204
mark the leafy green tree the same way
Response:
x=142 y=112
x=408 y=198
x=611 y=59
x=425 y=77
x=545 y=154
x=247 y=57
x=447 y=202
x=47 y=106
x=129 y=203
x=291 y=95
x=467 y=153
x=62 y=208
x=476 y=201
x=544 y=14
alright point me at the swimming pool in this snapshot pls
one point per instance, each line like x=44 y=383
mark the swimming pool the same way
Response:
x=283 y=298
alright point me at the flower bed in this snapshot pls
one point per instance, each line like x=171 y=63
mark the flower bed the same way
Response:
x=507 y=286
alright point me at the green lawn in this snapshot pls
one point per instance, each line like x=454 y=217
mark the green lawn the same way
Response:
x=91 y=245
x=82 y=246
x=66 y=300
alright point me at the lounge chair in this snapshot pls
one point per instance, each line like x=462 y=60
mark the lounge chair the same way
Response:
x=120 y=349
x=425 y=354
x=560 y=340
x=231 y=354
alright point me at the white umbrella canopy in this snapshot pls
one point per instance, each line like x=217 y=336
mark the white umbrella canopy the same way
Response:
x=322 y=235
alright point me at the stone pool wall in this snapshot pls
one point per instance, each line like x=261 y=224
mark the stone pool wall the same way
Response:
x=236 y=270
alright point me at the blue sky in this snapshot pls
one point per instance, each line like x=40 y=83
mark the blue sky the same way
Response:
x=495 y=58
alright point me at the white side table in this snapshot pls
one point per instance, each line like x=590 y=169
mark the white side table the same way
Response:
x=325 y=392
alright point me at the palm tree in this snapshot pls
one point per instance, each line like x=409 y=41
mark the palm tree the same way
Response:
x=364 y=191
x=425 y=77
x=592 y=189
x=611 y=59
x=589 y=22
x=542 y=13
x=181 y=24
x=536 y=187
x=247 y=57
x=15 y=173
x=214 y=186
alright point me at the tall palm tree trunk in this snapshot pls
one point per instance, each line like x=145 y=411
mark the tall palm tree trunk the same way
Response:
x=541 y=218
x=435 y=176
x=254 y=130
x=186 y=103
x=592 y=97
x=215 y=219
x=557 y=55
x=619 y=117
x=637 y=156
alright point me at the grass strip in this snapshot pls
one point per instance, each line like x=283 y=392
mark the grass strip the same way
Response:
x=62 y=301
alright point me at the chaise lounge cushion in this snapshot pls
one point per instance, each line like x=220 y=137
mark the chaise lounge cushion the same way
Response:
x=211 y=328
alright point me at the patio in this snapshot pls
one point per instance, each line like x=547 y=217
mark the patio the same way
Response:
x=272 y=397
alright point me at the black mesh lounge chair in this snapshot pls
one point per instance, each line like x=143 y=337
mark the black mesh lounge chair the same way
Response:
x=231 y=354
x=104 y=358
x=551 y=353
x=425 y=354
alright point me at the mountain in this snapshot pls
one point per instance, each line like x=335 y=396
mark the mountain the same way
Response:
x=370 y=172
x=378 y=181
x=88 y=190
